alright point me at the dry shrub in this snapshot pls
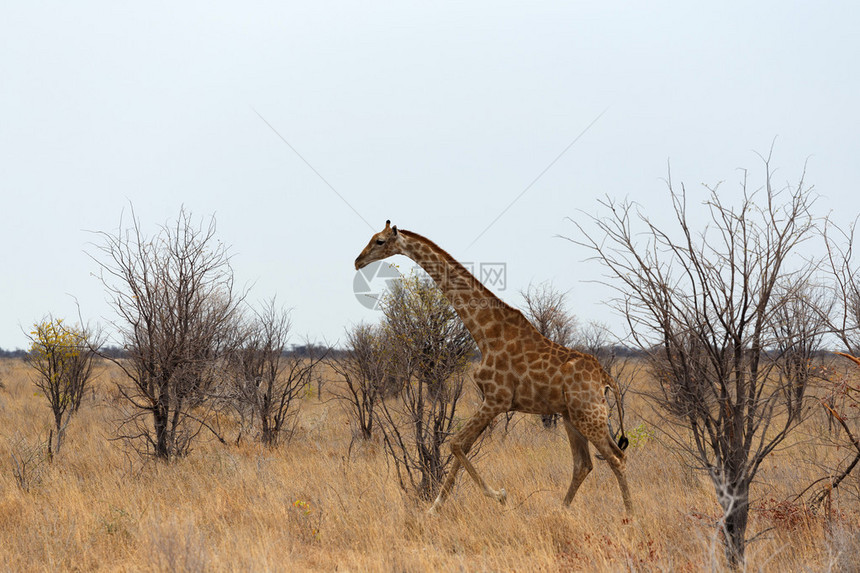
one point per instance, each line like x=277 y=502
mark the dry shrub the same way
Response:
x=29 y=460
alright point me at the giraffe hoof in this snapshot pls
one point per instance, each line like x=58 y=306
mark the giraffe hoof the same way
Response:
x=503 y=496
x=434 y=510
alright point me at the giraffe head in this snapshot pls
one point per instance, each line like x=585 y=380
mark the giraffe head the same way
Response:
x=381 y=246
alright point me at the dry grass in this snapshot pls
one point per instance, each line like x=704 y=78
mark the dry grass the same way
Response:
x=315 y=505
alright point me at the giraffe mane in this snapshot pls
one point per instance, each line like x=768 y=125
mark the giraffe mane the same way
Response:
x=490 y=294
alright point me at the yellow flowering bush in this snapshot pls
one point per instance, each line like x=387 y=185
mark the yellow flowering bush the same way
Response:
x=308 y=522
x=53 y=348
x=62 y=358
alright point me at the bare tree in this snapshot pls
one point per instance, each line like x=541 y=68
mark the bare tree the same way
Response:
x=365 y=368
x=29 y=460
x=839 y=396
x=726 y=317
x=596 y=339
x=267 y=380
x=63 y=358
x=844 y=272
x=430 y=352
x=546 y=309
x=177 y=314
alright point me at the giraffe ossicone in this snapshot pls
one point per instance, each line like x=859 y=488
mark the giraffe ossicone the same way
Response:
x=520 y=369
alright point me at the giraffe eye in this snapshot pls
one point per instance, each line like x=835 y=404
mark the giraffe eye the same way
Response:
x=380 y=241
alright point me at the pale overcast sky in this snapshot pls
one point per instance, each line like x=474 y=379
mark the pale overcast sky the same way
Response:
x=434 y=115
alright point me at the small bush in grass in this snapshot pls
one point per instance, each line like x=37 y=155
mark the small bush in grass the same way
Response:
x=63 y=359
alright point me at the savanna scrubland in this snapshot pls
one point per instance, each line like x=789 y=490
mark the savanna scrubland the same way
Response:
x=205 y=445
x=328 y=500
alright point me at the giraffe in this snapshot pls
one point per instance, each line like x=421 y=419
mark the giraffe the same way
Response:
x=520 y=370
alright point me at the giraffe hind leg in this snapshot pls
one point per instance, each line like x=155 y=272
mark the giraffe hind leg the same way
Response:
x=582 y=465
x=613 y=455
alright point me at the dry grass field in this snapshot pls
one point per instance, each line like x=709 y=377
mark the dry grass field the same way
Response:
x=317 y=504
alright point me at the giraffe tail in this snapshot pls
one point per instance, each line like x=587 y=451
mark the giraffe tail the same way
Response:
x=623 y=442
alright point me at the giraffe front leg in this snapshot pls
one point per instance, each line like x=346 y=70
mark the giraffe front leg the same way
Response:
x=446 y=488
x=462 y=443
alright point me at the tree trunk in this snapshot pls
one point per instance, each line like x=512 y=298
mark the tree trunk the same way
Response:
x=735 y=503
x=268 y=432
x=160 y=417
x=427 y=489
x=269 y=438
x=58 y=421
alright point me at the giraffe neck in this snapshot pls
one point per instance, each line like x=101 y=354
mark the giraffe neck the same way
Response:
x=465 y=293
